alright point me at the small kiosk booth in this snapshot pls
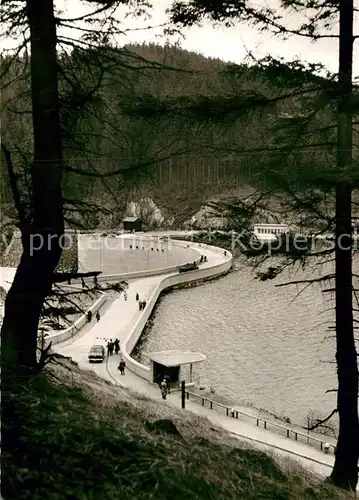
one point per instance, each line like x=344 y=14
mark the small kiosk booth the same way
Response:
x=132 y=224
x=169 y=363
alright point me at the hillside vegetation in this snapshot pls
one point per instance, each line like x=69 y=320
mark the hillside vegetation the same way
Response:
x=79 y=437
x=179 y=161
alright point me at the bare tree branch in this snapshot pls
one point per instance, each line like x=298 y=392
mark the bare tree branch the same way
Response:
x=321 y=422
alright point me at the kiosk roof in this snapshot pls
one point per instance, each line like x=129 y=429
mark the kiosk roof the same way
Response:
x=131 y=219
x=176 y=358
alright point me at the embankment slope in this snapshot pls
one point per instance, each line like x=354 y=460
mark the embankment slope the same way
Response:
x=78 y=437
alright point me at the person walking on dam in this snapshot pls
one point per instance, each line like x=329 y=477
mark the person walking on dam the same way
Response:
x=110 y=348
x=137 y=297
x=164 y=389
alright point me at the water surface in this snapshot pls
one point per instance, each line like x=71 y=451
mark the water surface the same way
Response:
x=265 y=347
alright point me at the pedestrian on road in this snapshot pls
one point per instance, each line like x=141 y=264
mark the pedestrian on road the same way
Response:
x=89 y=316
x=125 y=296
x=140 y=305
x=122 y=367
x=164 y=389
x=137 y=297
x=98 y=316
x=117 y=346
x=110 y=348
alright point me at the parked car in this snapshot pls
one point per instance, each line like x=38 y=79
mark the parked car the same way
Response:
x=191 y=266
x=96 y=354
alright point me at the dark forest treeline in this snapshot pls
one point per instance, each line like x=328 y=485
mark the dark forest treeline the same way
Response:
x=174 y=161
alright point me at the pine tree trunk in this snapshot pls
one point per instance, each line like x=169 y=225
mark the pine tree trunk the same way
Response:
x=41 y=237
x=345 y=471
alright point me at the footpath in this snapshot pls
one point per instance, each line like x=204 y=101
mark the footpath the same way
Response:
x=260 y=438
x=117 y=321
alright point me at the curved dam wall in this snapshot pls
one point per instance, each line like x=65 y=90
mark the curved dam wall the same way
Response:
x=147 y=272
x=168 y=282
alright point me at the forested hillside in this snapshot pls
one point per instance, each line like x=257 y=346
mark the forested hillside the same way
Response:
x=118 y=148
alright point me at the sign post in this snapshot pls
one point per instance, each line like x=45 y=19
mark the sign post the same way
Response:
x=183 y=389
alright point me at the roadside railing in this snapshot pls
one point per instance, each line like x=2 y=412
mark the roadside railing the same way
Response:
x=288 y=432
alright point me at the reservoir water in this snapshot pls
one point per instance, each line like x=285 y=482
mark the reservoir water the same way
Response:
x=265 y=347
